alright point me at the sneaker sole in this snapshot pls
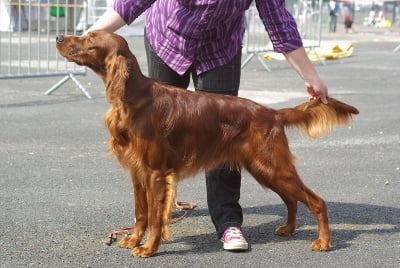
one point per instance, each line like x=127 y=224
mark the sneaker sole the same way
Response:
x=236 y=247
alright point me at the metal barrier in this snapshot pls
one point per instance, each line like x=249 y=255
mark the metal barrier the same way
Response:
x=256 y=41
x=27 y=39
x=308 y=18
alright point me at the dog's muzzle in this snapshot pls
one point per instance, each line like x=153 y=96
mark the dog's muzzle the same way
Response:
x=59 y=39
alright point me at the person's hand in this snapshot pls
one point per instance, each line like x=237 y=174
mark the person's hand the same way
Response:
x=302 y=64
x=317 y=90
x=109 y=21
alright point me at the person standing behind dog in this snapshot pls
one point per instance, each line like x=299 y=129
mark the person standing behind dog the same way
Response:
x=333 y=14
x=203 y=39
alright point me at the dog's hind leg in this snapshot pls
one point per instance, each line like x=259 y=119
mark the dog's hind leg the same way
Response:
x=272 y=166
x=291 y=189
x=294 y=188
x=318 y=207
x=290 y=226
x=264 y=175
x=155 y=196
x=141 y=217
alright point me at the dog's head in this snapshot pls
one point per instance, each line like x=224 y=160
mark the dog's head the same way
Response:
x=96 y=49
x=105 y=53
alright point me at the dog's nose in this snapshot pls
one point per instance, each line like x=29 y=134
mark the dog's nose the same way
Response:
x=59 y=39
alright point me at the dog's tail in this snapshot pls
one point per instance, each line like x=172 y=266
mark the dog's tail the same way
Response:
x=316 y=118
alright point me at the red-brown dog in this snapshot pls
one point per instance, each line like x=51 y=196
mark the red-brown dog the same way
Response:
x=163 y=134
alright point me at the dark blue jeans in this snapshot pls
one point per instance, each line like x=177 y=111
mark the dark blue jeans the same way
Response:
x=223 y=185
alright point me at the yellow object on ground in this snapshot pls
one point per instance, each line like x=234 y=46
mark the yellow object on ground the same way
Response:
x=324 y=52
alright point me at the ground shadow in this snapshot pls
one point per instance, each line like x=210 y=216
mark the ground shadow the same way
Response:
x=347 y=221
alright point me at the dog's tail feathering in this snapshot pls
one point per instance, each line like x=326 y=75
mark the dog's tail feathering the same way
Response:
x=316 y=118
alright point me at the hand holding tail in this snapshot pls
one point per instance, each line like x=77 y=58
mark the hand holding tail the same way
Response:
x=318 y=119
x=317 y=90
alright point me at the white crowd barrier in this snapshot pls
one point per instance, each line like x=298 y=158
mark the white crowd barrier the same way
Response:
x=28 y=29
x=308 y=16
x=256 y=41
x=27 y=39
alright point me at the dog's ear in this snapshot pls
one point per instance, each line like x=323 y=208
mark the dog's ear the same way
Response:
x=117 y=74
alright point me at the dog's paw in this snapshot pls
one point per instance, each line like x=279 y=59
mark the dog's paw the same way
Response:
x=320 y=245
x=142 y=251
x=285 y=230
x=128 y=242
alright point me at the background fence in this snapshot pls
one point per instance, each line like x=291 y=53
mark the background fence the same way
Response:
x=28 y=29
x=308 y=15
x=27 y=38
x=256 y=41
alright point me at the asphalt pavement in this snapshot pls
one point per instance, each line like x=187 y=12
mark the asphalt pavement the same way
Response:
x=61 y=192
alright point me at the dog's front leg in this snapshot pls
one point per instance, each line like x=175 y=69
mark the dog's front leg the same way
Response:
x=155 y=195
x=141 y=216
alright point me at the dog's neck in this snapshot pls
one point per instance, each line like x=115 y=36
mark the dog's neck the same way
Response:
x=125 y=81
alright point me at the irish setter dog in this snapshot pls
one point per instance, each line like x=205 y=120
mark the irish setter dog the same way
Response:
x=163 y=134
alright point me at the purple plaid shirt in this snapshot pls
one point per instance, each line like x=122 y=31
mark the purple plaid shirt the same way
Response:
x=207 y=34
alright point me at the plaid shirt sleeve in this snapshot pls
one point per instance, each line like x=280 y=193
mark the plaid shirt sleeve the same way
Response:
x=280 y=25
x=129 y=10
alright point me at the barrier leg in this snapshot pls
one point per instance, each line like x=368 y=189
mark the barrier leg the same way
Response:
x=260 y=59
x=247 y=60
x=84 y=91
x=323 y=62
x=64 y=80
x=56 y=86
